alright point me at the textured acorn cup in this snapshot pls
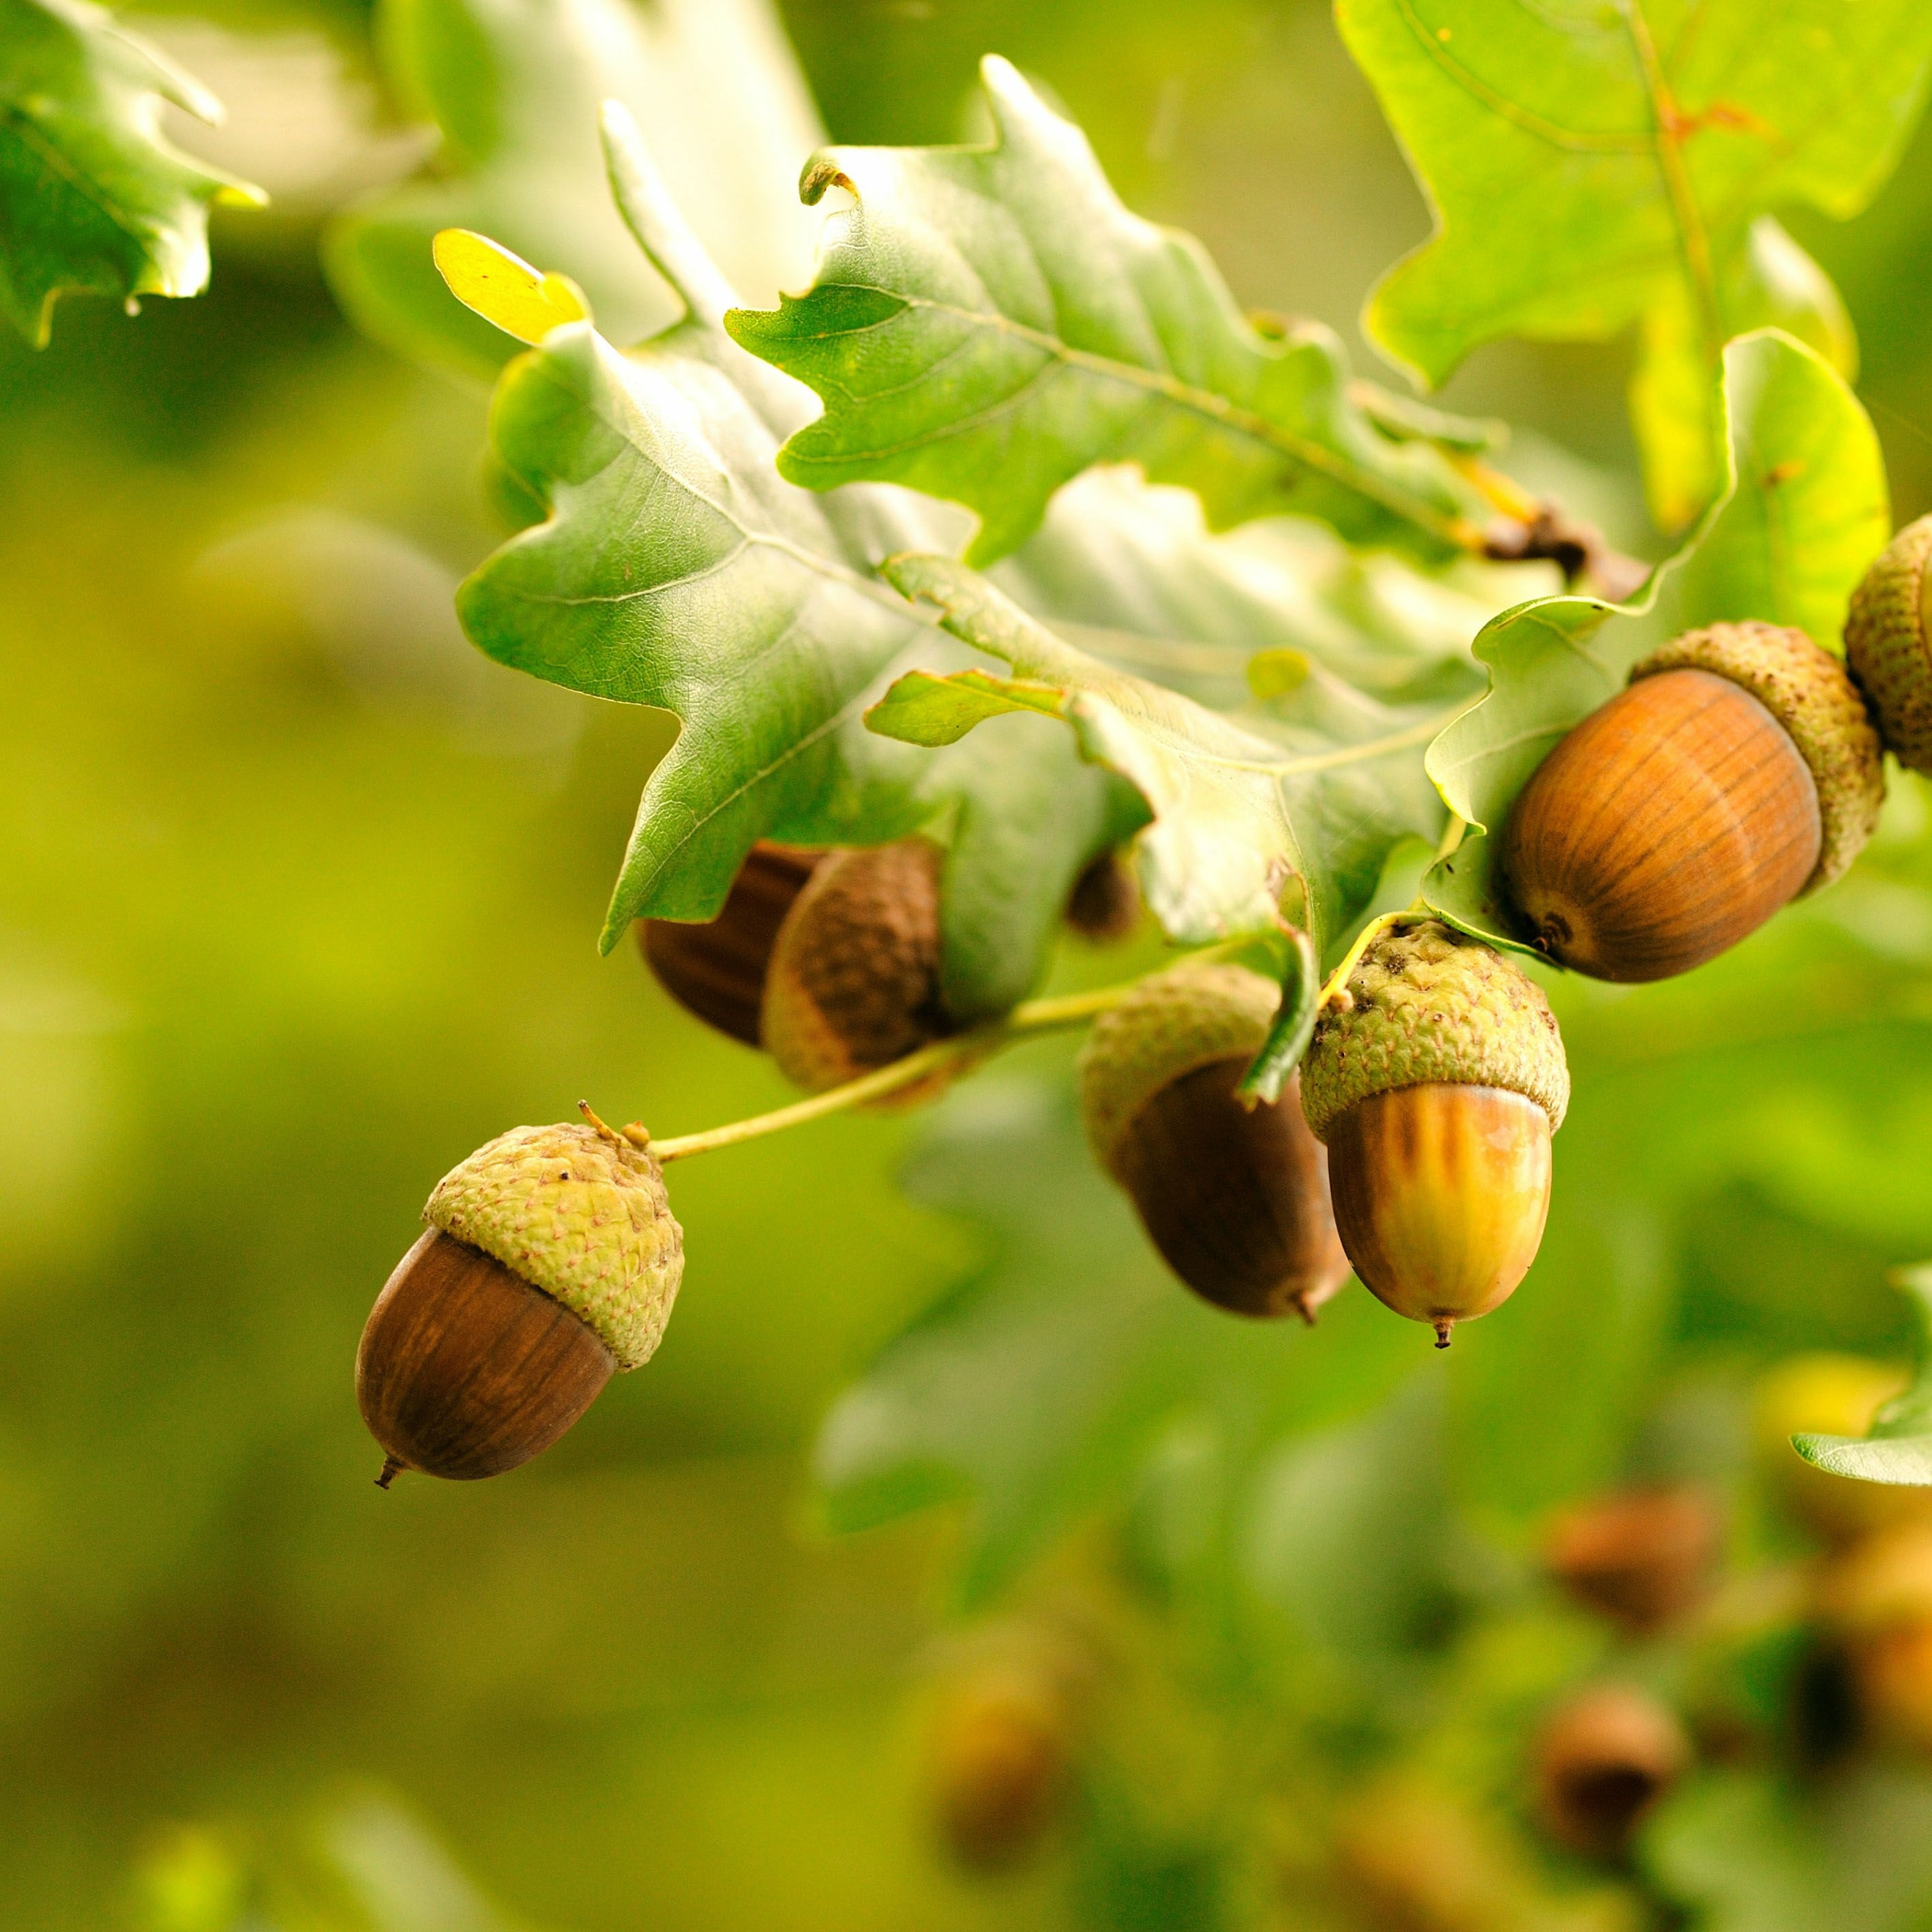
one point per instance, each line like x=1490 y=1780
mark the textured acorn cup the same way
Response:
x=854 y=979
x=1602 y=1761
x=1235 y=1197
x=717 y=969
x=1739 y=770
x=1436 y=1080
x=1888 y=644
x=551 y=1262
x=1640 y=1558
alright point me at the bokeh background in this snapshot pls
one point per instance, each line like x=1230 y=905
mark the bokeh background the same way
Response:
x=299 y=904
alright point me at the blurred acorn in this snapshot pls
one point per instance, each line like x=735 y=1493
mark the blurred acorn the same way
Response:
x=1641 y=1557
x=551 y=1262
x=1604 y=1758
x=1105 y=905
x=853 y=984
x=1831 y=1395
x=1739 y=769
x=1436 y=1081
x=1875 y=1596
x=1888 y=644
x=716 y=970
x=1235 y=1197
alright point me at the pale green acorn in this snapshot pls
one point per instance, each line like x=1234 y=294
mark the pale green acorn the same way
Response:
x=550 y=1263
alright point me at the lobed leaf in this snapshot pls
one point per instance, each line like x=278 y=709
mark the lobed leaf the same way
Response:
x=1802 y=512
x=986 y=323
x=1590 y=167
x=92 y=196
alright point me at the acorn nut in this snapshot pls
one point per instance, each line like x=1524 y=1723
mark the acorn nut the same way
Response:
x=1435 y=1081
x=1640 y=1557
x=1604 y=1758
x=1738 y=770
x=551 y=1262
x=854 y=979
x=716 y=969
x=1234 y=1197
x=1886 y=644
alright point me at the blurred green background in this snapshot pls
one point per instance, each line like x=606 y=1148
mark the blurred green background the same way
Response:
x=299 y=905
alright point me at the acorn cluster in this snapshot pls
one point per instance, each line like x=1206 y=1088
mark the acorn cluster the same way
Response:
x=1741 y=767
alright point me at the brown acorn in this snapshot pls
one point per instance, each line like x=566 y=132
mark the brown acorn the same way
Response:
x=1738 y=769
x=1235 y=1197
x=1876 y=1597
x=1602 y=1759
x=1105 y=905
x=1436 y=1080
x=1886 y=644
x=1640 y=1558
x=854 y=979
x=716 y=969
x=1000 y=1762
x=551 y=1262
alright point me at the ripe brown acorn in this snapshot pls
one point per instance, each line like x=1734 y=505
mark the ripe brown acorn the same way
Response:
x=1435 y=1079
x=551 y=1262
x=853 y=984
x=716 y=969
x=1738 y=769
x=1602 y=1759
x=1640 y=1557
x=1235 y=1197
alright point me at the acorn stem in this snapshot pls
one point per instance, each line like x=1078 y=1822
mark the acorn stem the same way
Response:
x=392 y=1468
x=1026 y=1021
x=1332 y=986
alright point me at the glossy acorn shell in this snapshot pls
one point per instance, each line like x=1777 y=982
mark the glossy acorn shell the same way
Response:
x=1669 y=825
x=466 y=1370
x=1640 y=1558
x=717 y=969
x=854 y=979
x=1604 y=1758
x=1440 y=1192
x=1236 y=1199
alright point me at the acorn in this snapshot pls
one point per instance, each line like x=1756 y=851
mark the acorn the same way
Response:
x=551 y=1262
x=1830 y=1395
x=716 y=969
x=1435 y=1079
x=1738 y=770
x=1641 y=1558
x=1877 y=1598
x=1235 y=1197
x=854 y=979
x=1105 y=905
x=1886 y=645
x=1604 y=1758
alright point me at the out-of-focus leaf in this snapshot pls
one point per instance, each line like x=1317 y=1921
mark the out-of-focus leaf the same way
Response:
x=515 y=87
x=987 y=323
x=1731 y=1847
x=1593 y=167
x=1248 y=830
x=92 y=196
x=1036 y=1387
x=1804 y=458
x=1899 y=1447
x=678 y=569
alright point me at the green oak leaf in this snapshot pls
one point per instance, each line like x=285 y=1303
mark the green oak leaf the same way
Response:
x=1602 y=163
x=92 y=196
x=1035 y=1387
x=515 y=87
x=1279 y=818
x=1802 y=511
x=987 y=323
x=1899 y=1447
x=677 y=568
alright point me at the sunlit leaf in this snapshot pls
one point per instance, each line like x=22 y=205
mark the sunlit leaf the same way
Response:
x=1590 y=167
x=986 y=323
x=504 y=289
x=92 y=196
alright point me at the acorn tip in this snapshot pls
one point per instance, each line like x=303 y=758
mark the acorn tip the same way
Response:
x=1442 y=1329
x=391 y=1469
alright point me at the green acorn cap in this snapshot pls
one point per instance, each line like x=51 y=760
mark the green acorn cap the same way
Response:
x=1424 y=1005
x=1812 y=695
x=579 y=1213
x=1185 y=1017
x=1886 y=646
